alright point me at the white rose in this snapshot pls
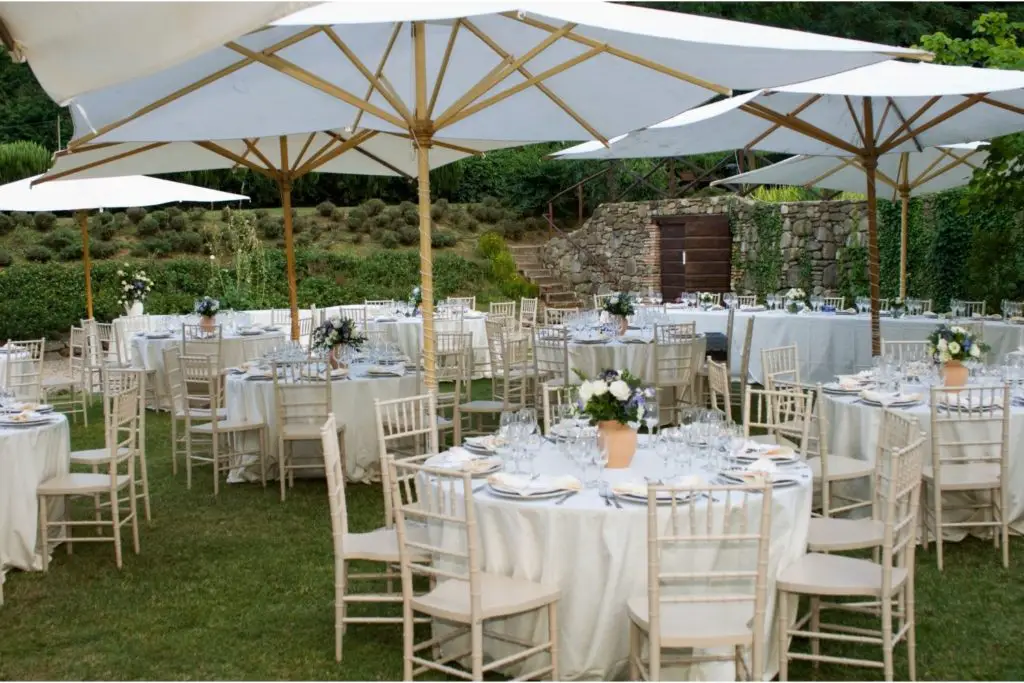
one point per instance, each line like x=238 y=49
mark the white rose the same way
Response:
x=975 y=351
x=620 y=390
x=600 y=387
x=954 y=348
x=956 y=329
x=944 y=357
x=614 y=300
x=586 y=391
x=943 y=345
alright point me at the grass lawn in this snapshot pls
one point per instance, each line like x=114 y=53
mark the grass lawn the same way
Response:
x=240 y=587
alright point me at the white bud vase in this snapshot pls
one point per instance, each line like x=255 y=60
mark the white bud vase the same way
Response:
x=134 y=309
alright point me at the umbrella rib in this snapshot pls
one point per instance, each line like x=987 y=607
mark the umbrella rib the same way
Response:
x=506 y=67
x=375 y=82
x=881 y=121
x=623 y=54
x=800 y=126
x=446 y=145
x=957 y=161
x=843 y=163
x=231 y=156
x=519 y=87
x=331 y=139
x=1001 y=105
x=949 y=113
x=292 y=70
x=190 y=88
x=903 y=121
x=774 y=127
x=909 y=122
x=558 y=101
x=856 y=121
x=444 y=67
x=250 y=145
x=8 y=40
x=302 y=152
x=98 y=162
x=380 y=70
x=350 y=144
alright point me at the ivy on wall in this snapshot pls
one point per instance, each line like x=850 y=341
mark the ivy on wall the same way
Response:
x=920 y=280
x=765 y=266
x=852 y=271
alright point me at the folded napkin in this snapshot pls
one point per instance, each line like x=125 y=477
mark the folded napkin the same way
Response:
x=851 y=311
x=768 y=450
x=25 y=416
x=717 y=307
x=994 y=316
x=491 y=442
x=461 y=459
x=525 y=486
x=764 y=465
x=751 y=309
x=390 y=370
x=1017 y=319
x=959 y=401
x=336 y=373
x=633 y=339
x=887 y=398
x=930 y=314
x=976 y=316
x=473 y=315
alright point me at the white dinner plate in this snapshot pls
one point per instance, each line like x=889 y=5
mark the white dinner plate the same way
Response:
x=664 y=497
x=158 y=335
x=540 y=494
x=40 y=408
x=779 y=480
x=836 y=389
x=7 y=421
x=910 y=403
x=250 y=333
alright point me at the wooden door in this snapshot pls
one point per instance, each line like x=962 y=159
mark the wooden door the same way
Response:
x=696 y=254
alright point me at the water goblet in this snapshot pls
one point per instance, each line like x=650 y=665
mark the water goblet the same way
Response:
x=651 y=418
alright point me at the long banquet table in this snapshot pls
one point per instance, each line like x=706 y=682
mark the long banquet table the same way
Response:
x=596 y=554
x=829 y=344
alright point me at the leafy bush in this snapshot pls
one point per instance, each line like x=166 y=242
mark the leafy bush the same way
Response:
x=157 y=246
x=190 y=242
x=356 y=219
x=22 y=218
x=442 y=238
x=161 y=217
x=58 y=239
x=37 y=253
x=148 y=226
x=410 y=213
x=383 y=221
x=325 y=209
x=135 y=214
x=301 y=224
x=472 y=225
x=101 y=249
x=490 y=244
x=271 y=227
x=104 y=217
x=439 y=209
x=178 y=223
x=5 y=258
x=374 y=206
x=197 y=214
x=338 y=216
x=408 y=235
x=70 y=253
x=100 y=230
x=22 y=159
x=357 y=238
x=225 y=214
x=6 y=224
x=512 y=230
x=389 y=239
x=44 y=221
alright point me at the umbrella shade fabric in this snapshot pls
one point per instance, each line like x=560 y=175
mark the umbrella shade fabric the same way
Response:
x=912 y=107
x=553 y=71
x=933 y=170
x=75 y=47
x=380 y=154
x=104 y=193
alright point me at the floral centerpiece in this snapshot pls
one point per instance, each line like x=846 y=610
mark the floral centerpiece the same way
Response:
x=135 y=287
x=620 y=306
x=615 y=401
x=207 y=309
x=951 y=345
x=416 y=298
x=333 y=334
x=795 y=299
x=707 y=299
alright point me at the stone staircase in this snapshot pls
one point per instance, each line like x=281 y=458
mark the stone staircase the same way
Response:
x=553 y=291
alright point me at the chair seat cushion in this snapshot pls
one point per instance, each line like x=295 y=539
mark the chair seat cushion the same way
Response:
x=841 y=467
x=297 y=431
x=76 y=483
x=819 y=574
x=96 y=456
x=699 y=624
x=379 y=545
x=834 y=534
x=499 y=596
x=227 y=426
x=972 y=477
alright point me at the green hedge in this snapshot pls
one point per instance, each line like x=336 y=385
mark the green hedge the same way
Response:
x=46 y=299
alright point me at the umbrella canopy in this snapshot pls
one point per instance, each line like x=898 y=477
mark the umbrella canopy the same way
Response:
x=864 y=113
x=103 y=193
x=906 y=174
x=75 y=47
x=461 y=72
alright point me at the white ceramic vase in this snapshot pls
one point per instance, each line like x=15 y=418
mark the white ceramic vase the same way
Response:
x=134 y=309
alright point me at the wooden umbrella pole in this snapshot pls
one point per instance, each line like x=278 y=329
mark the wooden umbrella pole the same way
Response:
x=904 y=209
x=285 y=185
x=83 y=224
x=870 y=164
x=423 y=134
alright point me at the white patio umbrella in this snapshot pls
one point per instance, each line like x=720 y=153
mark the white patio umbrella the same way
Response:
x=461 y=72
x=105 y=193
x=282 y=159
x=864 y=113
x=75 y=47
x=907 y=174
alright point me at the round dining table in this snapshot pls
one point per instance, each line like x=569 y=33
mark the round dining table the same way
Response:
x=829 y=344
x=595 y=552
x=28 y=457
x=853 y=431
x=630 y=352
x=252 y=399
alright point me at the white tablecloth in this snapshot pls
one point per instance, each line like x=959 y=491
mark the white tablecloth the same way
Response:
x=597 y=556
x=353 y=401
x=149 y=353
x=593 y=359
x=854 y=432
x=28 y=456
x=829 y=344
x=407 y=333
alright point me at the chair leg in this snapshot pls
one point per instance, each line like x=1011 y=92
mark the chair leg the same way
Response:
x=408 y=635
x=281 y=466
x=1004 y=526
x=477 y=653
x=145 y=483
x=340 y=608
x=553 y=638
x=215 y=447
x=44 y=538
x=174 y=445
x=188 y=456
x=115 y=516
x=133 y=508
x=816 y=628
x=263 y=457
x=782 y=626
x=887 y=637
x=937 y=518
x=636 y=650
x=908 y=599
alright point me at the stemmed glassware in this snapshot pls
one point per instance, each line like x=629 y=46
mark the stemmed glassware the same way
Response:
x=651 y=419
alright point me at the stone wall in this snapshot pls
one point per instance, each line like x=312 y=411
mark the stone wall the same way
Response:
x=618 y=247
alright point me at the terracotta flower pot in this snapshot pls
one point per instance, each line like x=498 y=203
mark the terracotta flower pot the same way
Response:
x=334 y=358
x=620 y=441
x=954 y=374
x=208 y=323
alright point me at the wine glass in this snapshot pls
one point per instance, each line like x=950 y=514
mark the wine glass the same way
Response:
x=651 y=418
x=507 y=419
